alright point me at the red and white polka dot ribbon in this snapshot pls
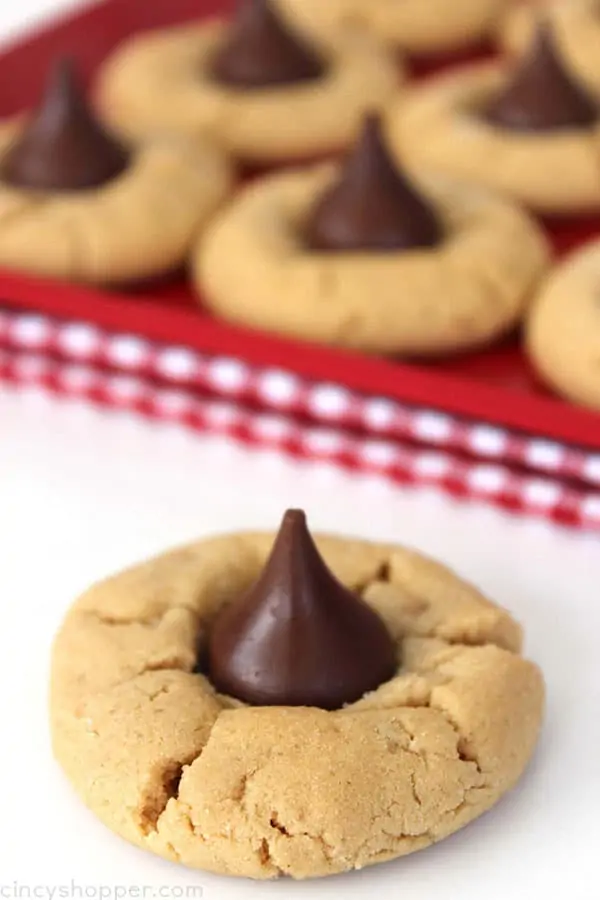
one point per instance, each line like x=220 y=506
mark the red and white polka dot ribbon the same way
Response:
x=312 y=420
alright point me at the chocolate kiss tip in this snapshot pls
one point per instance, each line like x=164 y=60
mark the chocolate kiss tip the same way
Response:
x=261 y=51
x=298 y=637
x=543 y=95
x=63 y=147
x=294 y=517
x=373 y=206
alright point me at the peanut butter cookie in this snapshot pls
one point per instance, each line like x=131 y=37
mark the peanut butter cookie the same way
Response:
x=532 y=132
x=416 y=26
x=576 y=24
x=360 y=256
x=262 y=708
x=254 y=86
x=563 y=328
x=77 y=204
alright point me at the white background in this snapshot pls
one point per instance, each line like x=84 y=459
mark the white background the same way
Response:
x=83 y=493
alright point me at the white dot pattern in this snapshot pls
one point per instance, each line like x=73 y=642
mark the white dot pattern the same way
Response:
x=80 y=340
x=273 y=428
x=568 y=493
x=125 y=388
x=128 y=351
x=592 y=469
x=177 y=363
x=432 y=466
x=591 y=509
x=380 y=414
x=278 y=388
x=229 y=375
x=329 y=400
x=380 y=453
x=488 y=479
x=326 y=443
x=546 y=455
x=543 y=493
x=488 y=441
x=31 y=331
x=433 y=427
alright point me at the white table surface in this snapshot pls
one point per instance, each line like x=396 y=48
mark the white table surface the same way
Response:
x=83 y=493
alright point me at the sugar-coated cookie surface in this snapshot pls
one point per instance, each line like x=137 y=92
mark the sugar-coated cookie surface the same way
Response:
x=202 y=779
x=463 y=293
x=417 y=26
x=563 y=328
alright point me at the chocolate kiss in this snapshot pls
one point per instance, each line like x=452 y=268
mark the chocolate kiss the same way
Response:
x=299 y=637
x=372 y=207
x=542 y=94
x=63 y=147
x=262 y=52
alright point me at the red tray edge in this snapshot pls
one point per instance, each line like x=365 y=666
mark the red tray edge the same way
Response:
x=399 y=381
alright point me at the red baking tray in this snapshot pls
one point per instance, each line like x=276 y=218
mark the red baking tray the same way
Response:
x=495 y=386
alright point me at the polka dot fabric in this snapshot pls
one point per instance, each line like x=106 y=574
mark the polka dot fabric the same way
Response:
x=311 y=420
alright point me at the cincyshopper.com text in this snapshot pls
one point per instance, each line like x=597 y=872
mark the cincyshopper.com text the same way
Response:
x=73 y=891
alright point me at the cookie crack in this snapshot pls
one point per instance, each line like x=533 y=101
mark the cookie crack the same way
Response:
x=382 y=575
x=265 y=855
x=394 y=838
x=415 y=605
x=402 y=836
x=173 y=851
x=143 y=670
x=168 y=790
x=428 y=834
x=265 y=850
x=275 y=823
x=239 y=795
x=464 y=749
x=163 y=665
x=466 y=640
x=413 y=786
x=328 y=849
x=153 y=621
x=151 y=696
x=170 y=784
